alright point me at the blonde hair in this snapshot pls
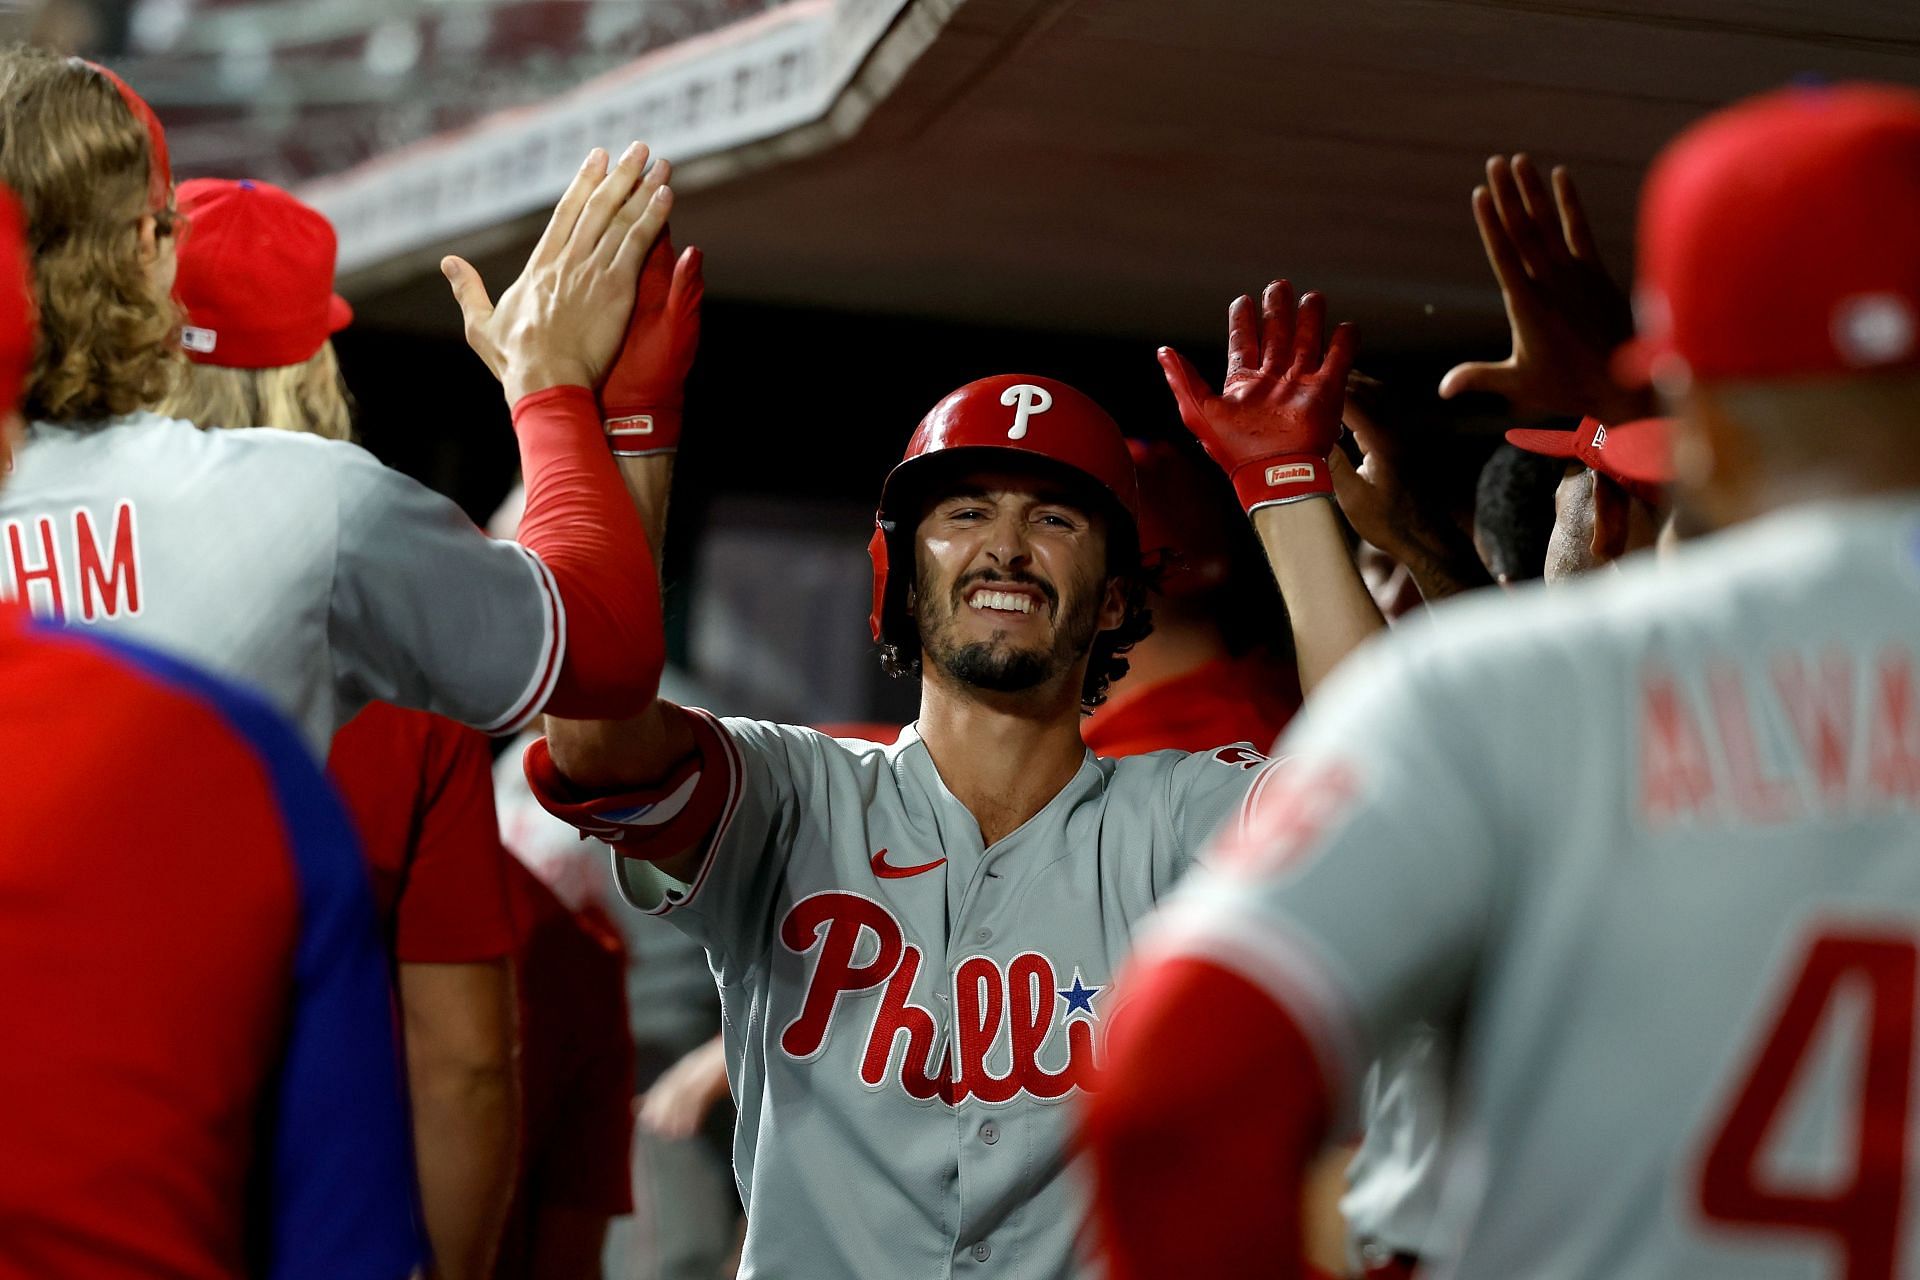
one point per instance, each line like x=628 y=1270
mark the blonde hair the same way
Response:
x=309 y=397
x=79 y=160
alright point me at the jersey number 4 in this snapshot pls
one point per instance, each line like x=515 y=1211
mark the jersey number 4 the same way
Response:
x=1860 y=1211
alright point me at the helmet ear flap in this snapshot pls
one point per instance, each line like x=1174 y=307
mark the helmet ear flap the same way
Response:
x=889 y=597
x=877 y=553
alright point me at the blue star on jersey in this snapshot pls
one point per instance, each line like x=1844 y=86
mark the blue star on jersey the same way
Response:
x=1079 y=996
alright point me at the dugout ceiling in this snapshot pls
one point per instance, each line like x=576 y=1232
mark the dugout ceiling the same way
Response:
x=1125 y=166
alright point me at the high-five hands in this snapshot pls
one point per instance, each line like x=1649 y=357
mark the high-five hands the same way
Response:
x=645 y=390
x=1566 y=313
x=1277 y=416
x=1391 y=500
x=561 y=322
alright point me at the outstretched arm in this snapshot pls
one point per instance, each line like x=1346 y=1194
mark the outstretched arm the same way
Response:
x=641 y=401
x=1270 y=428
x=552 y=337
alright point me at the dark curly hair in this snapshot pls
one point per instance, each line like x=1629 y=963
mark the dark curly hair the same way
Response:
x=900 y=646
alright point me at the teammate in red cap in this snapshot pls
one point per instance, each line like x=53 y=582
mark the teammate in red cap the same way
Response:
x=256 y=277
x=1206 y=676
x=305 y=567
x=201 y=1077
x=1645 y=843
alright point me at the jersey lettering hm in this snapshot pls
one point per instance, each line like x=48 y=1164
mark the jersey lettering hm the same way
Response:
x=100 y=579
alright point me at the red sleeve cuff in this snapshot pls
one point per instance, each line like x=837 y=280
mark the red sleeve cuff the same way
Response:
x=1209 y=1111
x=529 y=404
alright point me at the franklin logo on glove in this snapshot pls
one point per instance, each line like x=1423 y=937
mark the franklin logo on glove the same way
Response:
x=1292 y=473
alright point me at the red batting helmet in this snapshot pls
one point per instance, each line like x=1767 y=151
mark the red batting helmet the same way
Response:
x=1012 y=417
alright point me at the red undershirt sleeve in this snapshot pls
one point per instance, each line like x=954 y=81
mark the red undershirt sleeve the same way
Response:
x=1180 y=1190
x=583 y=526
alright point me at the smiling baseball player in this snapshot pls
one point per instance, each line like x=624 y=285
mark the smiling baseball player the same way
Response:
x=916 y=944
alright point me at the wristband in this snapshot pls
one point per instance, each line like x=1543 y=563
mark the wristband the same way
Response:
x=650 y=821
x=1278 y=479
x=642 y=434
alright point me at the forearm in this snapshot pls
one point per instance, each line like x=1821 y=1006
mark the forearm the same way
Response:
x=459 y=1023
x=613 y=754
x=1442 y=570
x=649 y=483
x=582 y=524
x=1327 y=602
x=465 y=1133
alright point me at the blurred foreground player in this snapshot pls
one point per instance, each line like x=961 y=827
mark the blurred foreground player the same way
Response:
x=1647 y=842
x=302 y=565
x=201 y=1077
x=256 y=279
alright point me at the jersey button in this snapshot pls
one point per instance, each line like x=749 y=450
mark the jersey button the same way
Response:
x=989 y=1133
x=982 y=1251
x=983 y=935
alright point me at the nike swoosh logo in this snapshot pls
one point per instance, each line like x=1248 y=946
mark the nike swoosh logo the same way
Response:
x=887 y=871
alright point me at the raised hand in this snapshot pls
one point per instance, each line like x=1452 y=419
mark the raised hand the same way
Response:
x=562 y=321
x=1390 y=501
x=1277 y=416
x=1566 y=313
x=645 y=389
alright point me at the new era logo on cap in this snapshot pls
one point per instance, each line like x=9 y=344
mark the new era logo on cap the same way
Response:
x=196 y=339
x=1290 y=473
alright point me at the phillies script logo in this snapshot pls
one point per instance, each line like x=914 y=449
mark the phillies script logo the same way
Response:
x=1016 y=1004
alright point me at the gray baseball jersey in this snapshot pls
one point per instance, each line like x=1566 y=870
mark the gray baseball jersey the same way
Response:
x=1650 y=847
x=906 y=1010
x=299 y=565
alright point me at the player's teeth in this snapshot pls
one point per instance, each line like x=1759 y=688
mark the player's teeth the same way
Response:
x=1004 y=600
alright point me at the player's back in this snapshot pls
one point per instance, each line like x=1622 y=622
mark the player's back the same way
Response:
x=217 y=546
x=1691 y=1046
x=297 y=565
x=186 y=927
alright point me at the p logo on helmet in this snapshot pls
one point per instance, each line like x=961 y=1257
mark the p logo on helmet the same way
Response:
x=1027 y=400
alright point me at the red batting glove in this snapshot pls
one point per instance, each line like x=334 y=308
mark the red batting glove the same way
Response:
x=640 y=401
x=1278 y=416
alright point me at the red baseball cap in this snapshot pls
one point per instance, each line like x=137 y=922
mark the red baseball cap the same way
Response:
x=1781 y=238
x=1637 y=454
x=256 y=275
x=1184 y=510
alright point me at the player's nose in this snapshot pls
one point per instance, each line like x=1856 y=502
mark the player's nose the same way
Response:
x=1006 y=540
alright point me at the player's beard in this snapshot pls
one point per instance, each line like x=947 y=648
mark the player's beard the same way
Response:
x=998 y=665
